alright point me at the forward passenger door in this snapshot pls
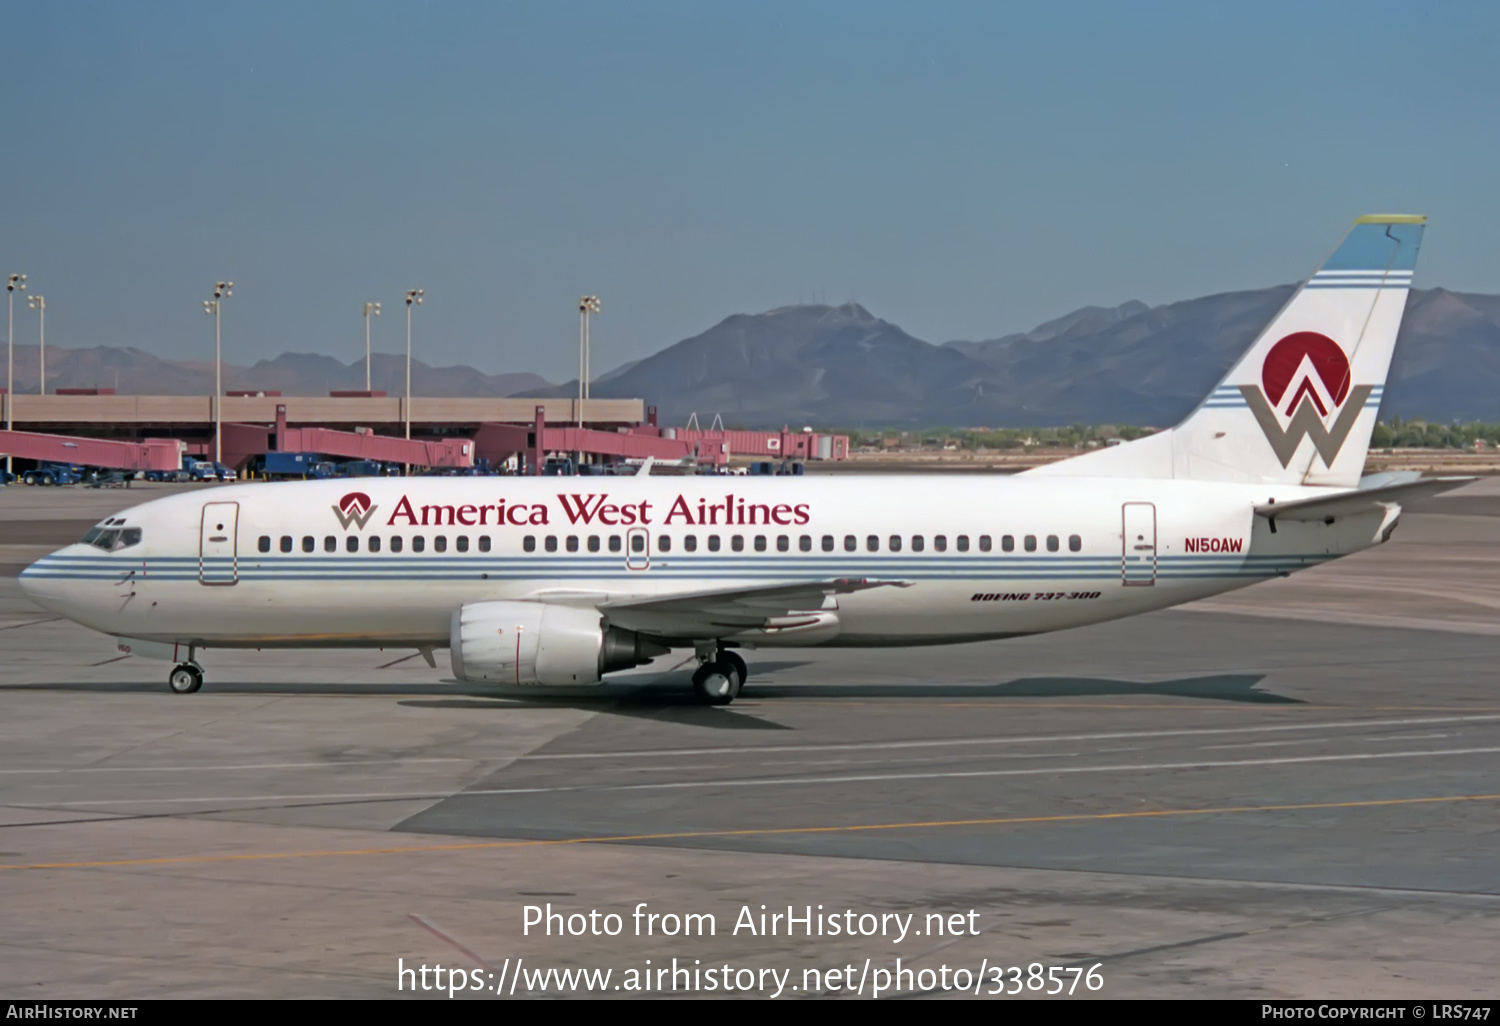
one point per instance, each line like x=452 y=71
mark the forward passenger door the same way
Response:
x=218 y=546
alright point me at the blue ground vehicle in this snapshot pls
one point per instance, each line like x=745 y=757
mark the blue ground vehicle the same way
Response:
x=205 y=470
x=53 y=474
x=288 y=464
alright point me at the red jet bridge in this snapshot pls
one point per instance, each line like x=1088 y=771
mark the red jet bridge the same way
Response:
x=151 y=454
x=498 y=442
x=241 y=441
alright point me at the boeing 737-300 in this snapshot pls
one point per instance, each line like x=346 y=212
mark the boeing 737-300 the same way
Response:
x=549 y=581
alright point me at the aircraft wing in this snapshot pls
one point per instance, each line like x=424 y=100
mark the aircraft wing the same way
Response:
x=1363 y=500
x=717 y=612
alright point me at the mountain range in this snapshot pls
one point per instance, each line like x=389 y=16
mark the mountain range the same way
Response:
x=841 y=366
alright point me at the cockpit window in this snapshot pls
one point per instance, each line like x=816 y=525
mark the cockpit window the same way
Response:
x=113 y=539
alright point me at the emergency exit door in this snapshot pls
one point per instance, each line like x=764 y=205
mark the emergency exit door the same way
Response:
x=1138 y=560
x=218 y=546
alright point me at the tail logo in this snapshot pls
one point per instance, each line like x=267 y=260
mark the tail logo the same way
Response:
x=1311 y=373
x=354 y=508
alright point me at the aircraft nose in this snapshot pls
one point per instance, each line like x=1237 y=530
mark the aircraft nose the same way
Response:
x=40 y=583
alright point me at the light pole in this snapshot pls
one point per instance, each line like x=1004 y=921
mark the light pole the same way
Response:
x=413 y=298
x=222 y=290
x=15 y=283
x=371 y=310
x=39 y=304
x=586 y=305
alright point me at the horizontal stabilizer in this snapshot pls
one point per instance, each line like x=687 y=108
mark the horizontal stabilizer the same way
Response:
x=1364 y=500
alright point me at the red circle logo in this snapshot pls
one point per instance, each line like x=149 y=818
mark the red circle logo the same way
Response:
x=355 y=503
x=1328 y=361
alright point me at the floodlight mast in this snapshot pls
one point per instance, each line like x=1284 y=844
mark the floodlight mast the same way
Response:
x=222 y=291
x=413 y=298
x=13 y=284
x=371 y=310
x=586 y=305
x=38 y=302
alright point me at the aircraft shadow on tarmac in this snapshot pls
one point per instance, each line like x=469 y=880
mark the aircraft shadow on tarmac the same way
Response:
x=669 y=696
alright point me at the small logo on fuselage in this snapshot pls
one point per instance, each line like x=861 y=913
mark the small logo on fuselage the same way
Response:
x=1308 y=406
x=354 y=508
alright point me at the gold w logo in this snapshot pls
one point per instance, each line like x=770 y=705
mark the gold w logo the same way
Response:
x=1306 y=423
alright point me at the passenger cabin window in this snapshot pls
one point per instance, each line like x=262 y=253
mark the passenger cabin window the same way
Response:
x=1030 y=543
x=851 y=543
x=873 y=543
x=664 y=543
x=984 y=543
x=1052 y=543
x=940 y=542
x=895 y=543
x=572 y=543
x=690 y=543
x=351 y=543
x=637 y=543
x=286 y=543
x=760 y=543
x=484 y=543
x=461 y=543
x=309 y=543
x=529 y=543
x=1008 y=543
x=917 y=544
x=550 y=543
x=614 y=543
x=963 y=543
x=396 y=543
x=783 y=543
x=263 y=545
x=418 y=543
x=593 y=543
x=1075 y=543
x=713 y=543
x=373 y=544
x=440 y=543
x=737 y=542
x=330 y=543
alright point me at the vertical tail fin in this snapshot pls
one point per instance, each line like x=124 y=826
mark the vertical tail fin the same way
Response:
x=1301 y=403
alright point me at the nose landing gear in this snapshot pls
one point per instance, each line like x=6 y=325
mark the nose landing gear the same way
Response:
x=185 y=678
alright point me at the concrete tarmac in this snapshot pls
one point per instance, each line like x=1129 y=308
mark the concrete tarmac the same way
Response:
x=1291 y=791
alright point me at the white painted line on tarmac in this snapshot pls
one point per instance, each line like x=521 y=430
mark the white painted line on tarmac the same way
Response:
x=1018 y=740
x=253 y=766
x=777 y=781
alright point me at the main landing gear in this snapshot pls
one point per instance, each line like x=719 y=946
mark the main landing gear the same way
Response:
x=720 y=675
x=185 y=678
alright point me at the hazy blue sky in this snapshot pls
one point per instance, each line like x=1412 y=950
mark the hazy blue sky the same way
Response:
x=963 y=170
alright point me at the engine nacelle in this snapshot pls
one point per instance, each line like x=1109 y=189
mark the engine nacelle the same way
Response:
x=540 y=643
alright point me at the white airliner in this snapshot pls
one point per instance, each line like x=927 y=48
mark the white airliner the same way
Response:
x=558 y=581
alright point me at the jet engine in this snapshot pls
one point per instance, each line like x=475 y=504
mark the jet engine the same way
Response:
x=541 y=643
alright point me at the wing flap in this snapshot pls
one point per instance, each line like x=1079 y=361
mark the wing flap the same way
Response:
x=721 y=611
